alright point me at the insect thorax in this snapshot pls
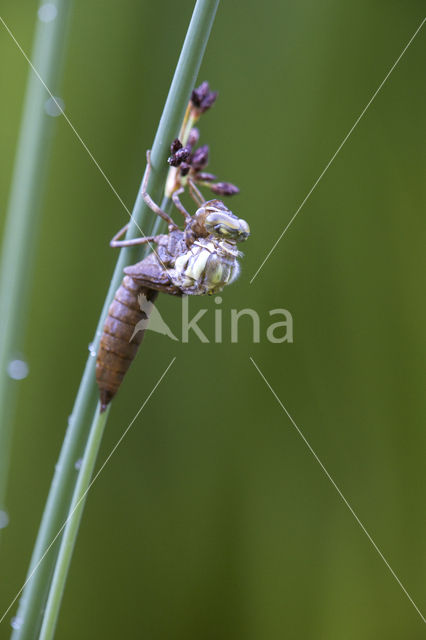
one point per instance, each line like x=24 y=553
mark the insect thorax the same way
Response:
x=206 y=267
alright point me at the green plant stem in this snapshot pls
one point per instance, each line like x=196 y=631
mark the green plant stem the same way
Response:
x=23 y=212
x=72 y=525
x=63 y=484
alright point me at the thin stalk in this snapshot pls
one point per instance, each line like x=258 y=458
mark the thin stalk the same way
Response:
x=72 y=525
x=64 y=481
x=23 y=213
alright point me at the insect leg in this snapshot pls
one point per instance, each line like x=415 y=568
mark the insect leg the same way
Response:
x=179 y=205
x=196 y=193
x=150 y=202
x=115 y=242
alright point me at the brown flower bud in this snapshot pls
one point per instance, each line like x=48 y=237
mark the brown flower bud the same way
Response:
x=208 y=101
x=193 y=137
x=204 y=177
x=199 y=94
x=224 y=188
x=200 y=157
x=184 y=169
x=175 y=146
x=180 y=156
x=202 y=98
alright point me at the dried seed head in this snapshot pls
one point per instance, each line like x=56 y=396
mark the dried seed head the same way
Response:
x=200 y=157
x=224 y=188
x=204 y=177
x=193 y=137
x=180 y=156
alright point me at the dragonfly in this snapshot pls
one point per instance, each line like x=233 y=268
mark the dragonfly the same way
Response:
x=200 y=259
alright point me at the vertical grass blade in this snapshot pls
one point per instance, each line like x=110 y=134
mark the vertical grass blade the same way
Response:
x=71 y=529
x=23 y=211
x=63 y=485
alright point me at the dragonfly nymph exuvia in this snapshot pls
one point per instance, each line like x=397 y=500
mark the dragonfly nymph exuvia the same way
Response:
x=202 y=258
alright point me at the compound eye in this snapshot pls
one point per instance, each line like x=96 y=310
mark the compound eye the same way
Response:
x=222 y=230
x=244 y=228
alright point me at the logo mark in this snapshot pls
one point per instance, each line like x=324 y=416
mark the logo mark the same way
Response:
x=276 y=332
x=153 y=320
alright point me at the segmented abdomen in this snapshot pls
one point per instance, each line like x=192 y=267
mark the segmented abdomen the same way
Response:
x=117 y=347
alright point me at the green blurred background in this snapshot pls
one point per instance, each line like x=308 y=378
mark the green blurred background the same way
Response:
x=213 y=519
